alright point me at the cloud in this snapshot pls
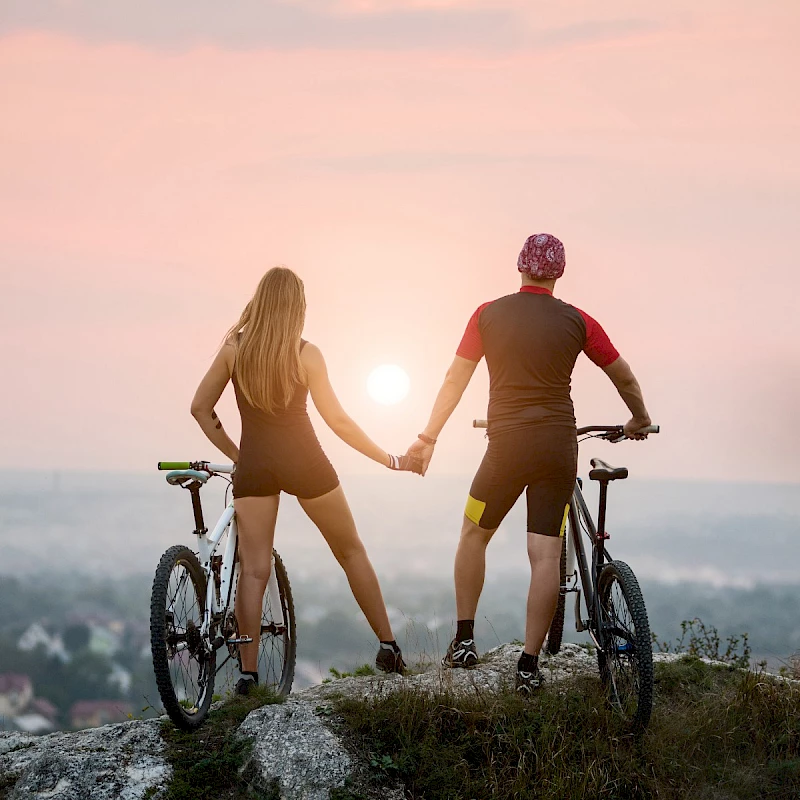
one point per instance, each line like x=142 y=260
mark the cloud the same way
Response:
x=281 y=25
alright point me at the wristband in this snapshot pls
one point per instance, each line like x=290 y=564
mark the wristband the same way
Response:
x=427 y=439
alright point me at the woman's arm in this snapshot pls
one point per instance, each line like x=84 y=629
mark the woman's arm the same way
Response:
x=206 y=396
x=330 y=409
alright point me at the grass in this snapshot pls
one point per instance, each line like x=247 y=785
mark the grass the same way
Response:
x=365 y=670
x=716 y=733
x=206 y=764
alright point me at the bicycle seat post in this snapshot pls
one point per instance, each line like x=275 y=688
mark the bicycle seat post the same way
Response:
x=601 y=514
x=199 y=524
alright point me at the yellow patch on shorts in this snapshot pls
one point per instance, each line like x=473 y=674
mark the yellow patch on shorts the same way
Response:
x=474 y=510
x=564 y=521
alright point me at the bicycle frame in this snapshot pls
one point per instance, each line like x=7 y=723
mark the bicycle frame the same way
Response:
x=221 y=597
x=579 y=516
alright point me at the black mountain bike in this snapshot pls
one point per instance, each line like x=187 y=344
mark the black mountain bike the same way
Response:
x=613 y=611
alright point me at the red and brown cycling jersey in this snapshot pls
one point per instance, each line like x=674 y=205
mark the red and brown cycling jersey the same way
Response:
x=531 y=341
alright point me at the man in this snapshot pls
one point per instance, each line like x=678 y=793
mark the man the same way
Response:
x=531 y=341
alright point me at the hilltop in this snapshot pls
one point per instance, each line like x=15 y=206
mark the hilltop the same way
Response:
x=717 y=732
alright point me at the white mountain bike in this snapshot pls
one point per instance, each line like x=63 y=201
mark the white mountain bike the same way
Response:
x=192 y=610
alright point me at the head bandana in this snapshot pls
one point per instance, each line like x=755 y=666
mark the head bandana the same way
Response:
x=542 y=257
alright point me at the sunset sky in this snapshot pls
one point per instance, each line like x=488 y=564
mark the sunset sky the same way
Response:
x=156 y=158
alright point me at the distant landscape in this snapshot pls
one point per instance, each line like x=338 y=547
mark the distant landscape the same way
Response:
x=78 y=552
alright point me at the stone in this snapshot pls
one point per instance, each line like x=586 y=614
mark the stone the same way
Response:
x=115 y=762
x=294 y=750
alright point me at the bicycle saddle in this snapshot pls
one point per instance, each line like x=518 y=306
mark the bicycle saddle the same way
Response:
x=605 y=472
x=179 y=477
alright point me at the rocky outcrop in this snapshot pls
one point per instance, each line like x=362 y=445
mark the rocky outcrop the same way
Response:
x=116 y=762
x=295 y=750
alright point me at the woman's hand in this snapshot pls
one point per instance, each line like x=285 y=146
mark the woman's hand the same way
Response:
x=405 y=463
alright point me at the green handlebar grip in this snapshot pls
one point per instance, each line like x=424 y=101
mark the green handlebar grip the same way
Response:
x=174 y=465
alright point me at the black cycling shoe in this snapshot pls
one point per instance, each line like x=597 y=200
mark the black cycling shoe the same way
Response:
x=390 y=659
x=245 y=684
x=529 y=682
x=462 y=654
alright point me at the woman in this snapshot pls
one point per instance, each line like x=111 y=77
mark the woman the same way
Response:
x=273 y=370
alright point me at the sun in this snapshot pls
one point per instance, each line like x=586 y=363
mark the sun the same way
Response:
x=388 y=384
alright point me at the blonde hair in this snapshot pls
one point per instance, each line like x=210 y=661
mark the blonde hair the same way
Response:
x=267 y=341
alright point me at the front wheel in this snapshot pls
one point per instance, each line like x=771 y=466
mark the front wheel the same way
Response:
x=626 y=655
x=277 y=645
x=183 y=664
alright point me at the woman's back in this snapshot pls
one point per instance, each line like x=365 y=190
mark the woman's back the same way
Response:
x=253 y=419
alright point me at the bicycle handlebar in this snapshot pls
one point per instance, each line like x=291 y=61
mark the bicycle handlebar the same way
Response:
x=615 y=430
x=203 y=465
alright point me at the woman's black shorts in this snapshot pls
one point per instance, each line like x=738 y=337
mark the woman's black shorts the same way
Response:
x=542 y=458
x=294 y=463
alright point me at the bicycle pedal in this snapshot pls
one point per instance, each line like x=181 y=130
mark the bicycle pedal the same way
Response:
x=241 y=640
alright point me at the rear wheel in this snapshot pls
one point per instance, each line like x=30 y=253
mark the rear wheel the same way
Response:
x=278 y=644
x=626 y=658
x=183 y=665
x=556 y=632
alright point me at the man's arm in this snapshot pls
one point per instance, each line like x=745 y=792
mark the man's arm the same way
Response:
x=629 y=390
x=455 y=381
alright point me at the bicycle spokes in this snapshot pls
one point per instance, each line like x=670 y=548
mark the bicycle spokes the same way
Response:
x=620 y=648
x=188 y=658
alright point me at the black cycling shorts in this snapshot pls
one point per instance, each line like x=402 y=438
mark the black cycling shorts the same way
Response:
x=295 y=464
x=544 y=459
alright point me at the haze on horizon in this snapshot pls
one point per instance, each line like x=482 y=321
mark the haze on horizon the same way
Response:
x=156 y=159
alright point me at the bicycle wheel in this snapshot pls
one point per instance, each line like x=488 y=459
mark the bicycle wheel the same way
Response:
x=278 y=644
x=556 y=632
x=626 y=658
x=182 y=662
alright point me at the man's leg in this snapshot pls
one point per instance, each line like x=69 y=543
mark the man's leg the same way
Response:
x=544 y=553
x=470 y=568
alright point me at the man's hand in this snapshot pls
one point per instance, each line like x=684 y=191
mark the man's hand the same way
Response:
x=422 y=453
x=634 y=425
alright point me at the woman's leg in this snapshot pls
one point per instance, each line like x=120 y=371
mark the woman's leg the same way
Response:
x=331 y=514
x=255 y=519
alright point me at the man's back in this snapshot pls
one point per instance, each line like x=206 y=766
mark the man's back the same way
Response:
x=531 y=341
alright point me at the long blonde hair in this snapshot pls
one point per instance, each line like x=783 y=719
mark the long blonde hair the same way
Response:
x=267 y=341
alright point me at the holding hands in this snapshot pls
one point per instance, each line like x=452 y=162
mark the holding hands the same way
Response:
x=422 y=451
x=416 y=458
x=405 y=463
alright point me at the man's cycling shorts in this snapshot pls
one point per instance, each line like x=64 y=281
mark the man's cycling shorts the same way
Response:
x=542 y=459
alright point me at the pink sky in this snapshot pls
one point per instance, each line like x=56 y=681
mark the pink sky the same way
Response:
x=396 y=156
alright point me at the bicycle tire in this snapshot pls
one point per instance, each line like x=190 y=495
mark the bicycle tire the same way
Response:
x=556 y=632
x=277 y=647
x=185 y=683
x=626 y=662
